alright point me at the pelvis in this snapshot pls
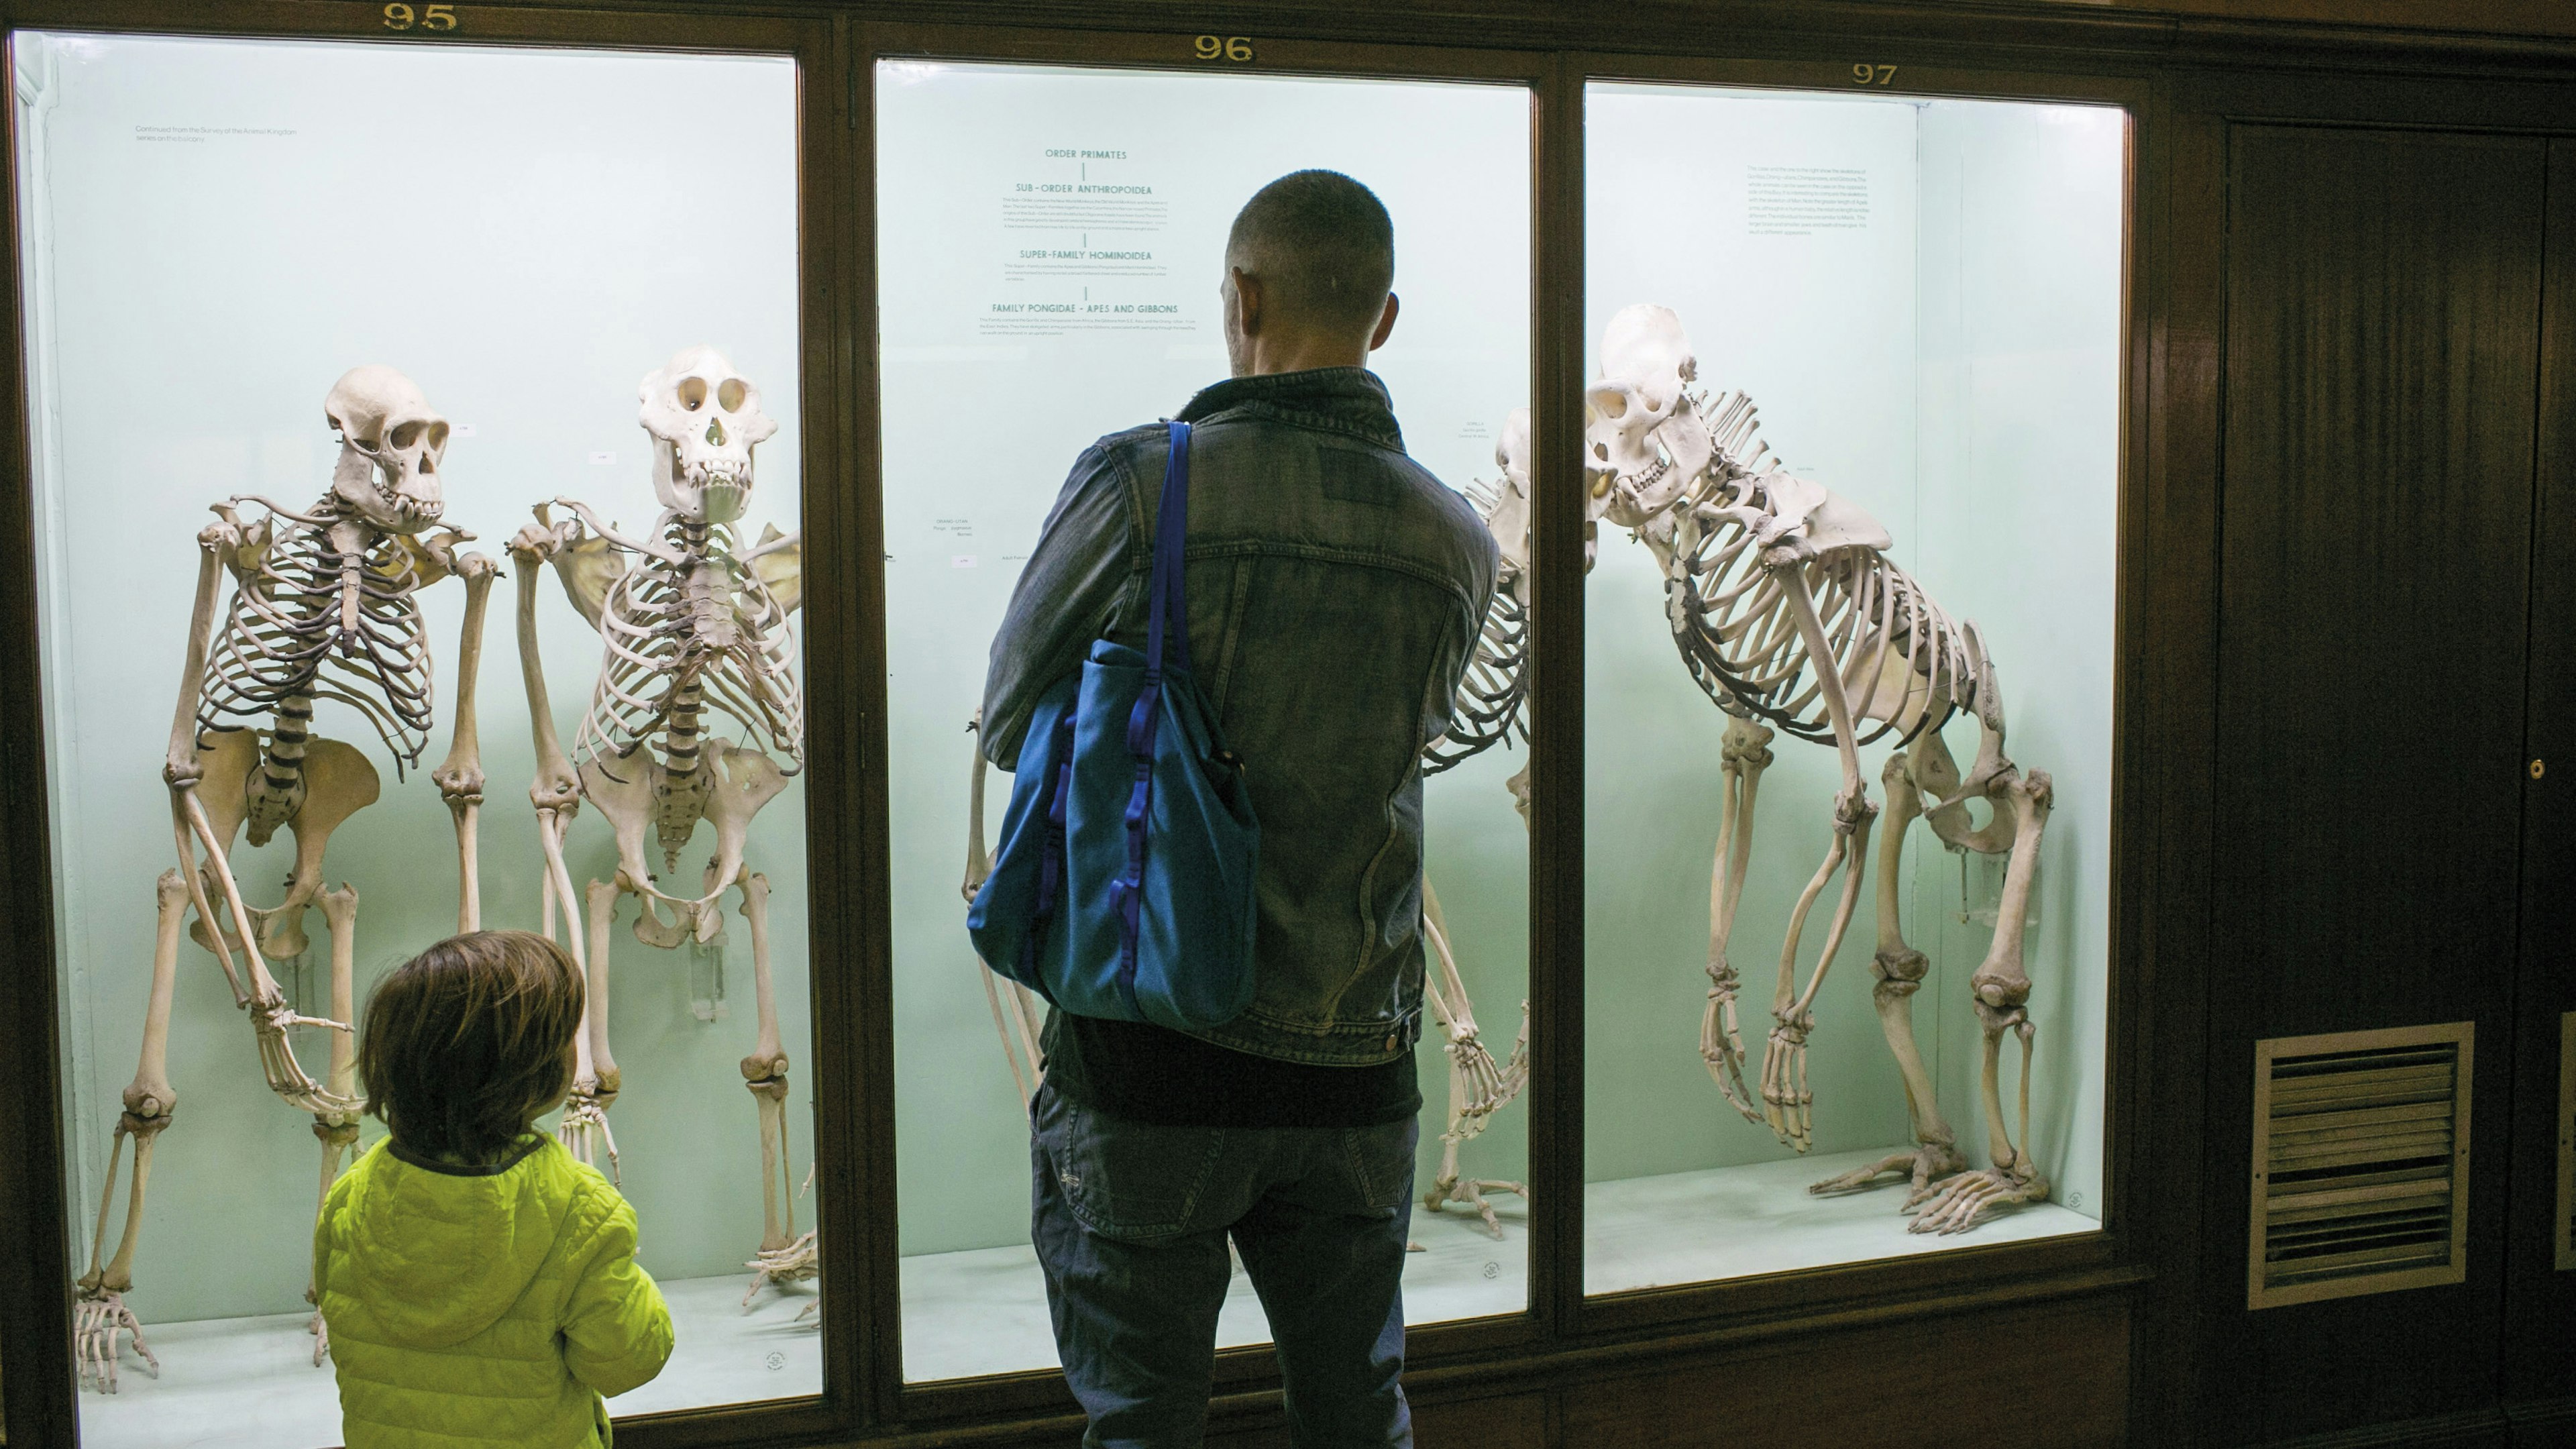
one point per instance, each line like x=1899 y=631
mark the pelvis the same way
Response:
x=640 y=795
x=338 y=782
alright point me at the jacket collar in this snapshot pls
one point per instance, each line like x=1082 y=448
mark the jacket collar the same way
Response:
x=1343 y=399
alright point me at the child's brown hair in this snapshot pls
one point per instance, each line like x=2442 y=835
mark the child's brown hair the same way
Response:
x=469 y=1040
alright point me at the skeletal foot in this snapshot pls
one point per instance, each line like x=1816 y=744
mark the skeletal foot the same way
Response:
x=1971 y=1197
x=97 y=1319
x=1471 y=1191
x=1925 y=1165
x=795 y=1263
x=321 y=1332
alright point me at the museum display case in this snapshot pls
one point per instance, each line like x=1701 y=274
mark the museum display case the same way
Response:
x=331 y=364
x=1062 y=245
x=457 y=436
x=1858 y=356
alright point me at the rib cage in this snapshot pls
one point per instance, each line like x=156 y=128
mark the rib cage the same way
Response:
x=1487 y=710
x=1732 y=624
x=703 y=635
x=288 y=636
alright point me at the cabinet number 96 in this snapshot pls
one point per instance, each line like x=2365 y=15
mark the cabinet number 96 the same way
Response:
x=399 y=16
x=1223 y=47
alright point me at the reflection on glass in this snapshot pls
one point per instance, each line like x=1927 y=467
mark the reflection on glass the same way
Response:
x=316 y=289
x=1052 y=244
x=1923 y=297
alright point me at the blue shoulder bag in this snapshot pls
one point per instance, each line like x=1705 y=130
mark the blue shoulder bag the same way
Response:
x=1123 y=887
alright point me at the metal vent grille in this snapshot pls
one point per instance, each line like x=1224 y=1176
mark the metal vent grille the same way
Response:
x=2361 y=1163
x=2567 y=1141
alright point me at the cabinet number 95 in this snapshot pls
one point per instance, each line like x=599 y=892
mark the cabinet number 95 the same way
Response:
x=399 y=16
x=1223 y=47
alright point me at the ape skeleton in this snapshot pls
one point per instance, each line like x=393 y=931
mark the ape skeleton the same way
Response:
x=1787 y=611
x=1485 y=712
x=691 y=625
x=325 y=607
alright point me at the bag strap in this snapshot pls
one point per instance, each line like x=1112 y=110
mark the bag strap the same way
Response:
x=1171 y=535
x=1167 y=642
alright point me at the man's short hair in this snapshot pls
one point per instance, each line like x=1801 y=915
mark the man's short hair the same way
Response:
x=1322 y=246
x=469 y=1041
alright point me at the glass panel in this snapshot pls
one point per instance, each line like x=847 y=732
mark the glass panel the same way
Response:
x=215 y=235
x=1052 y=247
x=1924 y=298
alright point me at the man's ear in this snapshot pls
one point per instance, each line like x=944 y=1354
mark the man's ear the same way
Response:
x=1247 y=300
x=1385 y=324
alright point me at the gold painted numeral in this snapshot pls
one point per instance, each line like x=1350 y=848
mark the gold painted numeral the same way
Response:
x=2538 y=769
x=1237 y=48
x=1873 y=75
x=399 y=16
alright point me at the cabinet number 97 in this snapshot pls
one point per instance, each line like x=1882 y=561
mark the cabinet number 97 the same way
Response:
x=1873 y=75
x=1223 y=47
x=399 y=16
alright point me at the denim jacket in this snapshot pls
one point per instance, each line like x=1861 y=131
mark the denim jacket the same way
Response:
x=1335 y=590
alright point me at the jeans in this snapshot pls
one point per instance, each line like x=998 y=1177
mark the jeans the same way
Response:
x=1130 y=1221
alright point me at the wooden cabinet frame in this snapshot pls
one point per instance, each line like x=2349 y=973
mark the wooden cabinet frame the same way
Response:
x=2145 y=1258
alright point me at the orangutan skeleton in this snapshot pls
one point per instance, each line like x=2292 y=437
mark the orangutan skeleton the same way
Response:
x=325 y=607
x=1788 y=613
x=690 y=625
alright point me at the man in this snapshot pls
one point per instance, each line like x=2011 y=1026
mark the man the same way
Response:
x=1335 y=589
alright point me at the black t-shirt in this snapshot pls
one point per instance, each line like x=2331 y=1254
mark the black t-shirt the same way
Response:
x=1147 y=1073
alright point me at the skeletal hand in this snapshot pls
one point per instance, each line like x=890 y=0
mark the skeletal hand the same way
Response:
x=1480 y=1078
x=583 y=1117
x=272 y=1017
x=97 y=1319
x=1721 y=1043
x=1786 y=1102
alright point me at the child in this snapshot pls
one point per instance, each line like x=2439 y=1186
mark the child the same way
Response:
x=480 y=1285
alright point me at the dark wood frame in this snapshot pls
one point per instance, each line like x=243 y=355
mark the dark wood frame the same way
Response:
x=2182 y=81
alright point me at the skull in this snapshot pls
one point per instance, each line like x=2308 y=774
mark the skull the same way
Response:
x=1643 y=440
x=704 y=419
x=391 y=444
x=1509 y=520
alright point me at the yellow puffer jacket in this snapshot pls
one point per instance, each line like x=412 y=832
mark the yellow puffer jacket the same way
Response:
x=473 y=1307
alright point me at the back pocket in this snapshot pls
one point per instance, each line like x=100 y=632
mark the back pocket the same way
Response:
x=1135 y=1181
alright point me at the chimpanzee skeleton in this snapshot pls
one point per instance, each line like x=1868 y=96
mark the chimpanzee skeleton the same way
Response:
x=325 y=607
x=691 y=625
